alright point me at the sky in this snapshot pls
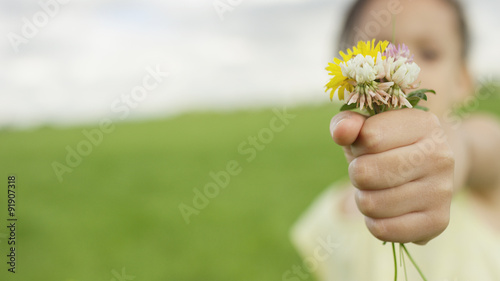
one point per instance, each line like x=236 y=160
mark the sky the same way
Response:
x=77 y=62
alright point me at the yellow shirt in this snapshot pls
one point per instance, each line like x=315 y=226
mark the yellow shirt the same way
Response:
x=340 y=248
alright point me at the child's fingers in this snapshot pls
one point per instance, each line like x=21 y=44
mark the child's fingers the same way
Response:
x=408 y=228
x=348 y=153
x=394 y=202
x=391 y=168
x=398 y=166
x=393 y=129
x=345 y=127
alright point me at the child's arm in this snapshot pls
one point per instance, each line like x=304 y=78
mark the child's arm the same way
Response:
x=482 y=137
x=403 y=169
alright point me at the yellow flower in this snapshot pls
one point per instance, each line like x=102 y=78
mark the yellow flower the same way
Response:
x=339 y=81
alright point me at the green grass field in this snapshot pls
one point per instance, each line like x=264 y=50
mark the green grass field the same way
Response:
x=119 y=208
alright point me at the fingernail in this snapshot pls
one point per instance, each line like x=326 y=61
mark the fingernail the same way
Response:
x=334 y=125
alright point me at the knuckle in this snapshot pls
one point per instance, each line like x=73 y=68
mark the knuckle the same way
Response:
x=366 y=203
x=447 y=190
x=440 y=222
x=439 y=196
x=371 y=137
x=431 y=119
x=444 y=194
x=378 y=228
x=444 y=156
x=358 y=172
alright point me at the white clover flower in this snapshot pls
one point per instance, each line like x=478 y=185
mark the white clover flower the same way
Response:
x=398 y=97
x=380 y=67
x=406 y=74
x=360 y=68
x=403 y=72
x=362 y=71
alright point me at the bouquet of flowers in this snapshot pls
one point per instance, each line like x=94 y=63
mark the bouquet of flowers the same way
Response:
x=374 y=79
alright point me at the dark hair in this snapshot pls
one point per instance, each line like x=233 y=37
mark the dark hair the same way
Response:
x=347 y=35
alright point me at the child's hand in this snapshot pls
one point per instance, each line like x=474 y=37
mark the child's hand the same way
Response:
x=402 y=166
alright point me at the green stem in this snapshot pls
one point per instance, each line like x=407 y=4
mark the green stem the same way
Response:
x=403 y=258
x=414 y=263
x=395 y=262
x=370 y=111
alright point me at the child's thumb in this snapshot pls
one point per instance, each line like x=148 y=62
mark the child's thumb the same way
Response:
x=345 y=127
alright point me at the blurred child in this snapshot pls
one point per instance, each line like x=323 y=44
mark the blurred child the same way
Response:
x=430 y=157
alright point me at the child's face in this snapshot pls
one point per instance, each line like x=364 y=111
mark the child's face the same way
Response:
x=430 y=29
